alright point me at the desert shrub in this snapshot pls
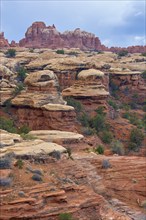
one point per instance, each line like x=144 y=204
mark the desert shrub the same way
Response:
x=113 y=87
x=65 y=216
x=106 y=164
x=76 y=104
x=39 y=172
x=5 y=181
x=133 y=119
x=88 y=131
x=18 y=89
x=10 y=53
x=98 y=122
x=117 y=147
x=99 y=149
x=28 y=136
x=21 y=73
x=24 y=129
x=143 y=74
x=132 y=146
x=106 y=137
x=122 y=53
x=19 y=163
x=73 y=53
x=36 y=177
x=5 y=163
x=113 y=104
x=8 y=125
x=55 y=154
x=7 y=105
x=136 y=138
x=60 y=51
x=84 y=119
x=125 y=106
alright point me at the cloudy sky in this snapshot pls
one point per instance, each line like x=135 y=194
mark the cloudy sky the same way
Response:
x=116 y=22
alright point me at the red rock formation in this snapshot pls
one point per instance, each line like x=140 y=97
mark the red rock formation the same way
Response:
x=3 y=42
x=39 y=35
x=131 y=49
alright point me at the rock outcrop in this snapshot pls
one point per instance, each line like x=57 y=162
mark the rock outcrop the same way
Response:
x=3 y=42
x=88 y=89
x=39 y=35
x=129 y=85
x=41 y=105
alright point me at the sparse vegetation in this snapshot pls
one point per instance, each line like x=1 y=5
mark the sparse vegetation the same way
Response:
x=8 y=125
x=136 y=139
x=5 y=163
x=69 y=152
x=99 y=149
x=106 y=137
x=5 y=182
x=28 y=136
x=143 y=74
x=65 y=216
x=113 y=104
x=36 y=177
x=10 y=53
x=24 y=129
x=18 y=89
x=76 y=104
x=106 y=164
x=122 y=53
x=21 y=74
x=60 y=51
x=19 y=163
x=143 y=54
x=117 y=147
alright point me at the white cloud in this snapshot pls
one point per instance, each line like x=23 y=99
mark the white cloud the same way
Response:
x=140 y=40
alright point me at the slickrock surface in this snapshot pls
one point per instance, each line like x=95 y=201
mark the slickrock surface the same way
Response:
x=7 y=139
x=55 y=136
x=31 y=148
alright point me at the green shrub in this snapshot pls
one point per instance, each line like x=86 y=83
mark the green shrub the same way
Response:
x=24 y=129
x=8 y=125
x=136 y=138
x=106 y=137
x=84 y=119
x=65 y=216
x=19 y=164
x=99 y=149
x=143 y=74
x=18 y=89
x=76 y=104
x=106 y=164
x=88 y=131
x=98 y=122
x=28 y=136
x=117 y=147
x=21 y=73
x=101 y=111
x=60 y=51
x=10 y=53
x=113 y=104
x=7 y=105
x=122 y=53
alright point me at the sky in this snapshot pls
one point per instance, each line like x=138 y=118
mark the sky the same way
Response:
x=116 y=22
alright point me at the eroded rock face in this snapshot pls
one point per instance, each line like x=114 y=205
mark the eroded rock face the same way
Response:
x=39 y=35
x=130 y=85
x=88 y=89
x=3 y=42
x=41 y=106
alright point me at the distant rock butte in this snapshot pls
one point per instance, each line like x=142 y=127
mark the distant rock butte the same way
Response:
x=38 y=35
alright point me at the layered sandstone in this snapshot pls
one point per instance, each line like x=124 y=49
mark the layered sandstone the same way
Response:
x=88 y=89
x=41 y=105
x=130 y=85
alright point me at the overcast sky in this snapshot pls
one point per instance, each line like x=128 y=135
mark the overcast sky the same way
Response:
x=116 y=23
